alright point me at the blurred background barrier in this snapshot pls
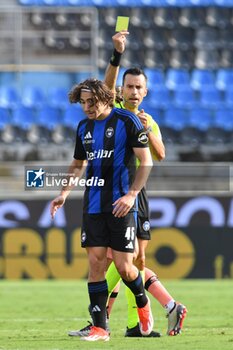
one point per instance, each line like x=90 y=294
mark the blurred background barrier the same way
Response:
x=192 y=237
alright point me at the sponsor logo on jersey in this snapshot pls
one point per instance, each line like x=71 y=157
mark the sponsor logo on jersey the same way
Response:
x=88 y=135
x=96 y=308
x=129 y=245
x=88 y=138
x=101 y=153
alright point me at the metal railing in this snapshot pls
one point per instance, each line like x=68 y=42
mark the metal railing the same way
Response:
x=48 y=39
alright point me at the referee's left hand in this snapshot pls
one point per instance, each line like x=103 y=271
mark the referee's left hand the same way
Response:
x=143 y=118
x=123 y=205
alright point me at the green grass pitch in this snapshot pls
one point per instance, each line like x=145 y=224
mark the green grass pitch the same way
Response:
x=36 y=315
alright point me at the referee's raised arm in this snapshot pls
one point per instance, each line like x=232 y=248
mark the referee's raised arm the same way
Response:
x=111 y=74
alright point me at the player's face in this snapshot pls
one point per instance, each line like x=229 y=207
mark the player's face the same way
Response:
x=92 y=109
x=134 y=90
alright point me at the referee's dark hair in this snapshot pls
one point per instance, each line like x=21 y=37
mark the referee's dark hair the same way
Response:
x=101 y=93
x=133 y=71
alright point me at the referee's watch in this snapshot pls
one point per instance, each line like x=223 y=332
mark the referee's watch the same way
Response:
x=149 y=129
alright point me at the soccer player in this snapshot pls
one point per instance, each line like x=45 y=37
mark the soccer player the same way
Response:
x=108 y=140
x=133 y=91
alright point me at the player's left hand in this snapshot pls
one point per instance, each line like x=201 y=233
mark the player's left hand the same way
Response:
x=123 y=205
x=143 y=118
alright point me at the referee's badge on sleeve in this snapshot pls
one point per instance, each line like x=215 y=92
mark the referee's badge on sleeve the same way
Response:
x=143 y=138
x=146 y=225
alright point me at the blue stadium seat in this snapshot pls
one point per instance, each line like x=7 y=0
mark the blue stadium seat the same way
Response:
x=58 y=97
x=221 y=132
x=179 y=3
x=174 y=121
x=65 y=132
x=33 y=96
x=176 y=118
x=104 y=3
x=5 y=117
x=154 y=3
x=224 y=79
x=227 y=3
x=184 y=97
x=80 y=2
x=224 y=119
x=58 y=2
x=176 y=77
x=201 y=2
x=210 y=97
x=228 y=98
x=155 y=78
x=23 y=117
x=156 y=113
x=48 y=117
x=51 y=2
x=200 y=118
x=202 y=77
x=159 y=97
x=9 y=97
x=72 y=116
x=43 y=80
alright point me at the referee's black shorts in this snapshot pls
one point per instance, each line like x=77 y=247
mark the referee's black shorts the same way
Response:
x=105 y=230
x=143 y=222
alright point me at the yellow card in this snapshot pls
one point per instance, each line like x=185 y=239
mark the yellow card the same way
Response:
x=122 y=23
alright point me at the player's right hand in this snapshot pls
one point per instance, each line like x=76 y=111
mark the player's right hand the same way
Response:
x=119 y=41
x=56 y=204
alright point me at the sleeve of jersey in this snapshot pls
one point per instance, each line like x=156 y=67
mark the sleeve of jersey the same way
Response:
x=79 y=151
x=136 y=134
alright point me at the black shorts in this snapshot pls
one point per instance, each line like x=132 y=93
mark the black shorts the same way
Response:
x=143 y=223
x=105 y=230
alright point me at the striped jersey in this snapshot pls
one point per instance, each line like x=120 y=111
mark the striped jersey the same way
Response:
x=108 y=146
x=151 y=122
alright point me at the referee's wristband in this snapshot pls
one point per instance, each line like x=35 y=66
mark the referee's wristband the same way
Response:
x=115 y=59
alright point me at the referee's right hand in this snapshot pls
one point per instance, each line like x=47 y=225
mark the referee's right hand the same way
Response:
x=119 y=41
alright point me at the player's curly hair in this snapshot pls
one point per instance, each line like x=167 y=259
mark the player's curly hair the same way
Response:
x=101 y=93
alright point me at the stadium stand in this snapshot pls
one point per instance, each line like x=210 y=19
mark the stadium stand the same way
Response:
x=185 y=47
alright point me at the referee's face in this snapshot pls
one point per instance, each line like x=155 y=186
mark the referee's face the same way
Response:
x=92 y=109
x=134 y=90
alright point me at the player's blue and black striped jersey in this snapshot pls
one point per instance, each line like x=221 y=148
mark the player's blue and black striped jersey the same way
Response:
x=108 y=146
